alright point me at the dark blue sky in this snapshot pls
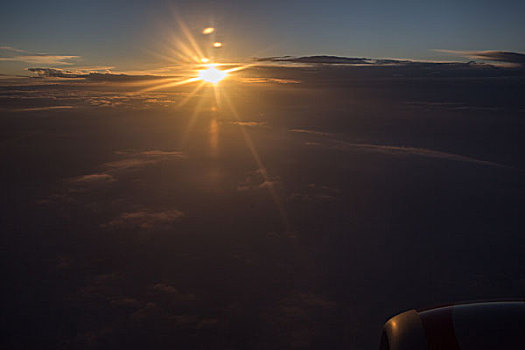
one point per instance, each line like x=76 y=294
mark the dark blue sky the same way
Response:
x=126 y=33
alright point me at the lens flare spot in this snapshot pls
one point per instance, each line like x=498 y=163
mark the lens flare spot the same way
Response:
x=212 y=75
x=217 y=44
x=208 y=30
x=205 y=60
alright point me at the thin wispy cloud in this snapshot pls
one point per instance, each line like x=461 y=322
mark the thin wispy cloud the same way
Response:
x=100 y=178
x=136 y=160
x=13 y=54
x=12 y=49
x=42 y=59
x=249 y=123
x=260 y=80
x=333 y=141
x=40 y=109
x=146 y=219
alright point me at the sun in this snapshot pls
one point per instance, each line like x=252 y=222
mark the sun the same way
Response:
x=212 y=75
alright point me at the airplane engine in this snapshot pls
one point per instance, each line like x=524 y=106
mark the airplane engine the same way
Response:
x=486 y=325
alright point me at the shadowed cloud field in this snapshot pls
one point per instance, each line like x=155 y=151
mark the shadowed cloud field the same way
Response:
x=334 y=195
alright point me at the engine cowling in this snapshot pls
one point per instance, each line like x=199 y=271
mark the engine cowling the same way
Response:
x=487 y=325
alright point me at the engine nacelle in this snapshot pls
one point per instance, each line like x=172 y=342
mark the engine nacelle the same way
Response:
x=488 y=325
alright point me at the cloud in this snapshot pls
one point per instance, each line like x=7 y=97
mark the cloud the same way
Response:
x=146 y=219
x=173 y=292
x=94 y=75
x=130 y=163
x=340 y=60
x=32 y=94
x=396 y=150
x=13 y=54
x=132 y=101
x=249 y=123
x=85 y=183
x=53 y=73
x=157 y=153
x=111 y=172
x=511 y=58
x=94 y=178
x=256 y=180
x=335 y=71
x=140 y=159
x=316 y=60
x=422 y=152
x=269 y=80
x=39 y=109
x=42 y=59
x=312 y=132
x=498 y=56
x=13 y=49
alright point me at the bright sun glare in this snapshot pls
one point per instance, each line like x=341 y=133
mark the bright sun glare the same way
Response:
x=200 y=64
x=212 y=75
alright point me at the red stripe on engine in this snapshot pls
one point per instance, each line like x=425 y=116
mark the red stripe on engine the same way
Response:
x=439 y=329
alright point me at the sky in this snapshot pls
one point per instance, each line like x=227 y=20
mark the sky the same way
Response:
x=131 y=34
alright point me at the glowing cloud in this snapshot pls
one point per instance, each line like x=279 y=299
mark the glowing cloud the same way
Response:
x=41 y=59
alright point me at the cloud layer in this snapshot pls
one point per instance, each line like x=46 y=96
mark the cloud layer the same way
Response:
x=512 y=58
x=91 y=76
